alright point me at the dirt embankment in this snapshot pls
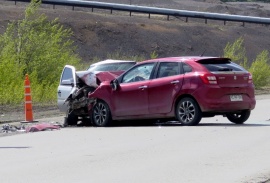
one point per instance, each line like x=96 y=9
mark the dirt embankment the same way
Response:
x=100 y=33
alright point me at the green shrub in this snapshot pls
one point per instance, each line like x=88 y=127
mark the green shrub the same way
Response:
x=11 y=90
x=260 y=70
x=237 y=52
x=154 y=55
x=37 y=47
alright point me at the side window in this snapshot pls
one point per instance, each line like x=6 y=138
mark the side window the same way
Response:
x=187 y=68
x=168 y=69
x=67 y=74
x=139 y=73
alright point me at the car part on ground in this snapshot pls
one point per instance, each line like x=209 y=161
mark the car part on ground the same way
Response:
x=30 y=127
x=7 y=128
x=42 y=127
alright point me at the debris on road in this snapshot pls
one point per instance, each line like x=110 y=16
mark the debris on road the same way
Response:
x=44 y=126
x=7 y=128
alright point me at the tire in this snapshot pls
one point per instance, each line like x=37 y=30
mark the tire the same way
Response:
x=188 y=112
x=239 y=118
x=101 y=115
x=71 y=119
x=87 y=121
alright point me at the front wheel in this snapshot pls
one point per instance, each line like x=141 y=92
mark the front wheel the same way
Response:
x=70 y=119
x=101 y=115
x=239 y=118
x=188 y=112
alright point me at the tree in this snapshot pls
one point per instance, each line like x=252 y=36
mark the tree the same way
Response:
x=38 y=47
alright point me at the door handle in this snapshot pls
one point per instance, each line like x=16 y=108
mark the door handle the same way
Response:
x=174 y=82
x=143 y=87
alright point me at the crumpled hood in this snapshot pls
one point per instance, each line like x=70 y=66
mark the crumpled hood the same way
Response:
x=94 y=79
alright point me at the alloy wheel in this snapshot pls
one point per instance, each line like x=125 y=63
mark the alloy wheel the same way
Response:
x=100 y=113
x=186 y=111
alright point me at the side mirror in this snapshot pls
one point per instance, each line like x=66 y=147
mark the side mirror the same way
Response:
x=115 y=84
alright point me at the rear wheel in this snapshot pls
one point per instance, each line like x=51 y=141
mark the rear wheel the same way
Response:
x=101 y=115
x=188 y=112
x=239 y=118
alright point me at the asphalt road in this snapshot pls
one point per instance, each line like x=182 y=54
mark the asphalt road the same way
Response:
x=213 y=151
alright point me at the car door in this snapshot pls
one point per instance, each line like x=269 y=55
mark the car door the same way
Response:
x=163 y=89
x=131 y=98
x=66 y=84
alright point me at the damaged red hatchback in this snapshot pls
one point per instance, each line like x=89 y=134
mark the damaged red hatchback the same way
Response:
x=183 y=89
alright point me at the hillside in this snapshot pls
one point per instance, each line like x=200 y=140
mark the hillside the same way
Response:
x=100 y=33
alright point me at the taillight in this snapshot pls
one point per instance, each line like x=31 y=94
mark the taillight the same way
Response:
x=208 y=79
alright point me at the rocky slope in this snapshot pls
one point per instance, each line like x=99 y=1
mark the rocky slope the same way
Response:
x=100 y=33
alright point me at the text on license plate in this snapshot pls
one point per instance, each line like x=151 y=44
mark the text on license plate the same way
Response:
x=236 y=97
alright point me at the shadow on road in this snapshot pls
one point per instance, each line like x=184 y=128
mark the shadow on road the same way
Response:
x=233 y=125
x=149 y=123
x=14 y=147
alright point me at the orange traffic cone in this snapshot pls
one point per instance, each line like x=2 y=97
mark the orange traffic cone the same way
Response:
x=27 y=101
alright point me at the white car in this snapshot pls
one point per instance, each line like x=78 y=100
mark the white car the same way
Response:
x=111 y=65
x=75 y=85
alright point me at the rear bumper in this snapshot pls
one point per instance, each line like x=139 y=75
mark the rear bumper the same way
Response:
x=215 y=99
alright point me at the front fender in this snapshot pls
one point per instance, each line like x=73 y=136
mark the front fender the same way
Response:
x=103 y=92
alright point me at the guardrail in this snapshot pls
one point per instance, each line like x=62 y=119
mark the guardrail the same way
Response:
x=158 y=11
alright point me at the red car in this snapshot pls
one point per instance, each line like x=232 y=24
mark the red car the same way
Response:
x=183 y=88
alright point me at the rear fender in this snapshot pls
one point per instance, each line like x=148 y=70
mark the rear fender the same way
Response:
x=184 y=95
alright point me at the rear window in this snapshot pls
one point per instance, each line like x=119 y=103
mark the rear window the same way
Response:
x=220 y=65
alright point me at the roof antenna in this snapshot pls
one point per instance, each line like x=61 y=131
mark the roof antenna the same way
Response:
x=203 y=53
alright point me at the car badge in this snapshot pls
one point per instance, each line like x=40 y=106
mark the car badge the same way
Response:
x=234 y=77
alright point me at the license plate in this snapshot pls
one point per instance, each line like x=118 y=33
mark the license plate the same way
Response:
x=236 y=97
